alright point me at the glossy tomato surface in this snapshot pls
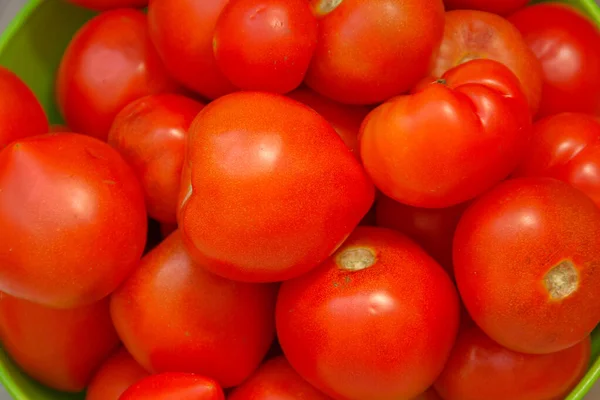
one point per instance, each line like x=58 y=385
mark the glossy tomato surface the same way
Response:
x=72 y=219
x=526 y=258
x=59 y=348
x=263 y=185
x=501 y=7
x=103 y=5
x=173 y=315
x=174 y=386
x=566 y=43
x=114 y=377
x=377 y=320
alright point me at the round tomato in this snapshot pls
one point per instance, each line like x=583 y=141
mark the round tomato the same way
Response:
x=172 y=315
x=502 y=7
x=174 y=386
x=276 y=380
x=262 y=188
x=151 y=134
x=167 y=229
x=369 y=51
x=59 y=348
x=114 y=376
x=103 y=5
x=566 y=43
x=72 y=220
x=525 y=260
x=377 y=320
x=472 y=35
x=265 y=44
x=479 y=368
x=21 y=115
x=470 y=132
x=182 y=31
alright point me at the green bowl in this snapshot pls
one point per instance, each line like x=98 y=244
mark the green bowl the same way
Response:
x=32 y=47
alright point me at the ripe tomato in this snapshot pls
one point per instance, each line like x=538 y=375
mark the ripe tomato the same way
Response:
x=265 y=44
x=114 y=377
x=377 y=320
x=109 y=63
x=151 y=135
x=566 y=43
x=472 y=35
x=448 y=142
x=276 y=380
x=479 y=368
x=262 y=188
x=167 y=229
x=172 y=315
x=21 y=115
x=103 y=5
x=526 y=257
x=501 y=7
x=182 y=31
x=430 y=394
x=59 y=348
x=174 y=386
x=369 y=51
x=72 y=220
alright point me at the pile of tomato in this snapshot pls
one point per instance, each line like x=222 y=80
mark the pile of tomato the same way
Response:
x=294 y=199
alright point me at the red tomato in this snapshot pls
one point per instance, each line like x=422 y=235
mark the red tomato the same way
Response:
x=377 y=320
x=479 y=368
x=448 y=142
x=59 y=348
x=21 y=115
x=431 y=394
x=566 y=147
x=566 y=43
x=167 y=229
x=114 y=376
x=525 y=257
x=109 y=63
x=269 y=189
x=502 y=7
x=276 y=380
x=72 y=220
x=172 y=315
x=472 y=35
x=151 y=135
x=103 y=5
x=182 y=31
x=369 y=51
x=265 y=44
x=174 y=386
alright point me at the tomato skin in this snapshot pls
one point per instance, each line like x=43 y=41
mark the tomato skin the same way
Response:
x=449 y=142
x=103 y=5
x=151 y=135
x=403 y=291
x=265 y=44
x=501 y=7
x=173 y=315
x=79 y=231
x=369 y=51
x=472 y=35
x=251 y=149
x=59 y=348
x=174 y=386
x=525 y=261
x=21 y=114
x=117 y=374
x=566 y=43
x=479 y=368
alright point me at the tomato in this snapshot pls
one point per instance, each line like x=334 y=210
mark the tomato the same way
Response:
x=114 y=376
x=377 y=320
x=265 y=44
x=369 y=51
x=566 y=43
x=567 y=147
x=167 y=229
x=21 y=115
x=173 y=315
x=109 y=63
x=103 y=5
x=502 y=7
x=526 y=257
x=472 y=35
x=174 y=386
x=431 y=394
x=182 y=32
x=479 y=368
x=450 y=141
x=59 y=128
x=151 y=135
x=59 y=348
x=276 y=380
x=262 y=188
x=72 y=220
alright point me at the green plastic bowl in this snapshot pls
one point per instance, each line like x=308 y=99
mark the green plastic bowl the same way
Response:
x=32 y=47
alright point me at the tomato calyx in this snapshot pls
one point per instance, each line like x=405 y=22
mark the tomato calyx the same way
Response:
x=322 y=8
x=562 y=280
x=356 y=259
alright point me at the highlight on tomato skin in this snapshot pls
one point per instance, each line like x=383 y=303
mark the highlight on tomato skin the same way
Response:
x=174 y=386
